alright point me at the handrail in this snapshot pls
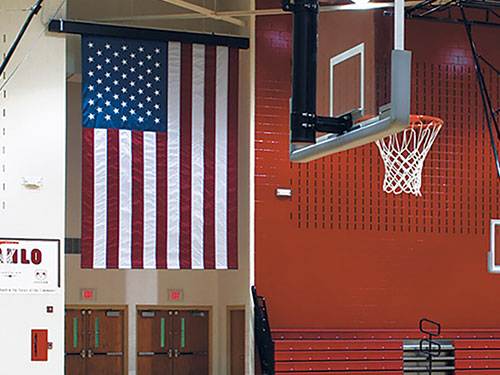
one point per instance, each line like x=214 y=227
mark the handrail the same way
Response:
x=430 y=351
x=263 y=339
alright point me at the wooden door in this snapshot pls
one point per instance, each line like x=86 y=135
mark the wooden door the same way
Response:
x=154 y=342
x=94 y=342
x=191 y=342
x=105 y=342
x=172 y=342
x=75 y=343
x=237 y=342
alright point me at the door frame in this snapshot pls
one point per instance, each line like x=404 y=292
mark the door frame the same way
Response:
x=230 y=308
x=123 y=308
x=208 y=308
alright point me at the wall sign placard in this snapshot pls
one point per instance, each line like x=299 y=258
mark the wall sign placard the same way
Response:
x=29 y=266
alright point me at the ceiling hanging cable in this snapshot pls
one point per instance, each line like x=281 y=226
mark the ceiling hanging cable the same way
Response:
x=488 y=110
x=32 y=14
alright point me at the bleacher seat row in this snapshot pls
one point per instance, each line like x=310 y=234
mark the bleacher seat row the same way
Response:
x=377 y=352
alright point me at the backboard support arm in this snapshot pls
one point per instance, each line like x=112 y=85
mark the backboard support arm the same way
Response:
x=304 y=70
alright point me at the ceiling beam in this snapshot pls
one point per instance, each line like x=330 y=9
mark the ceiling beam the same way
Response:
x=206 y=12
x=247 y=13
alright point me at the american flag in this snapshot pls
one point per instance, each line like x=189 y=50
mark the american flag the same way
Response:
x=159 y=154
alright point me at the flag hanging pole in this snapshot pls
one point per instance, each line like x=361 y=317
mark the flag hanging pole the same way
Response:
x=34 y=11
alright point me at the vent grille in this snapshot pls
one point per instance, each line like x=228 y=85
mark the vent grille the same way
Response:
x=72 y=245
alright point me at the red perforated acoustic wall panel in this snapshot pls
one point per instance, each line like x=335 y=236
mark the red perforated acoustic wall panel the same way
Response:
x=341 y=253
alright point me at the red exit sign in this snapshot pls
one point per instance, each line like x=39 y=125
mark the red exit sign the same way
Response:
x=175 y=294
x=88 y=294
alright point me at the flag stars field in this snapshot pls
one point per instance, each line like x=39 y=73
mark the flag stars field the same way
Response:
x=129 y=77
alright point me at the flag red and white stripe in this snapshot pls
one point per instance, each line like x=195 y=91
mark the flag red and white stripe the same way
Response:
x=168 y=200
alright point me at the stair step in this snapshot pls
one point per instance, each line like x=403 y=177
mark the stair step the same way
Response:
x=425 y=368
x=434 y=359
x=416 y=347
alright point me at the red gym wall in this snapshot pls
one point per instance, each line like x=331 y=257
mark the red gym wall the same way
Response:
x=341 y=253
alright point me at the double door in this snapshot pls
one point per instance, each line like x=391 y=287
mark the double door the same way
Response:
x=94 y=342
x=173 y=342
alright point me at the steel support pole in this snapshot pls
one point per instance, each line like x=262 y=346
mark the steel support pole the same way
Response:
x=304 y=70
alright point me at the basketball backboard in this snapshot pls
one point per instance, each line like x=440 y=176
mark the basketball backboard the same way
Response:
x=493 y=267
x=345 y=128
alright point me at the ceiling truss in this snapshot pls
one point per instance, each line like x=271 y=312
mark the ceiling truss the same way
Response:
x=199 y=12
x=206 y=12
x=486 y=12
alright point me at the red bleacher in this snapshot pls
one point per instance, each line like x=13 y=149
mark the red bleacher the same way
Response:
x=477 y=356
x=377 y=352
x=338 y=355
x=308 y=352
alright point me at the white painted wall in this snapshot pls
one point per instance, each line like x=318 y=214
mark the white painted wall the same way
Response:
x=137 y=282
x=32 y=143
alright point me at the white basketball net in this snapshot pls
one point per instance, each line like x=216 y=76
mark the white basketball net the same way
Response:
x=404 y=154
